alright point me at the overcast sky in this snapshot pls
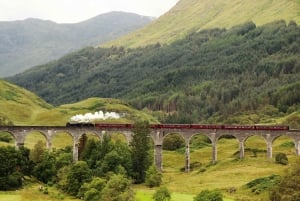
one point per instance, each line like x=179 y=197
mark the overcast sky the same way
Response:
x=71 y=11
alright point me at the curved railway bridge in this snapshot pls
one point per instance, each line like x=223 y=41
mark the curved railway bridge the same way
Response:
x=158 y=133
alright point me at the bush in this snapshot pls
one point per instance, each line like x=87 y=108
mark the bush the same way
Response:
x=263 y=184
x=162 y=194
x=153 y=177
x=207 y=195
x=281 y=158
x=173 y=142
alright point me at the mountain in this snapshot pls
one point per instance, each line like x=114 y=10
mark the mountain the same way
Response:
x=22 y=107
x=31 y=42
x=246 y=74
x=194 y=15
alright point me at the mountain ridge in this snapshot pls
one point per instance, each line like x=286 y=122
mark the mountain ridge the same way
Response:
x=194 y=15
x=30 y=42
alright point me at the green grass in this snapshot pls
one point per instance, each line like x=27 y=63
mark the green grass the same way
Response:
x=229 y=172
x=8 y=196
x=31 y=192
x=146 y=195
x=193 y=15
x=13 y=104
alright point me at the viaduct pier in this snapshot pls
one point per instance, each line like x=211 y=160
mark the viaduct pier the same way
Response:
x=158 y=133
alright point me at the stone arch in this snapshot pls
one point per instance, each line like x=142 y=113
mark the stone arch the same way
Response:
x=174 y=134
x=172 y=158
x=92 y=134
x=202 y=152
x=210 y=136
x=126 y=134
x=31 y=137
x=11 y=134
x=285 y=144
x=283 y=135
x=54 y=133
x=165 y=134
x=230 y=146
x=61 y=139
x=253 y=149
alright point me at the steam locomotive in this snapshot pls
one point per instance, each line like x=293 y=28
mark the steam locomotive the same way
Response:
x=180 y=126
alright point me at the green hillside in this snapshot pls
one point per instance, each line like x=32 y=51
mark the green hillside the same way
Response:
x=21 y=107
x=194 y=15
x=246 y=74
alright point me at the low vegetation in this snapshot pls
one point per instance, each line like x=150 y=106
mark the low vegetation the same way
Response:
x=262 y=184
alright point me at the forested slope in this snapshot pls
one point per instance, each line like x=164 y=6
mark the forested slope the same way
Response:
x=209 y=76
x=193 y=15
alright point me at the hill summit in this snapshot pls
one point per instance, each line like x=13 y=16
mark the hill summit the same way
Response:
x=193 y=15
x=30 y=42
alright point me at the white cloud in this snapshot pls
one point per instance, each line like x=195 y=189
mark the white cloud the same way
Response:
x=68 y=11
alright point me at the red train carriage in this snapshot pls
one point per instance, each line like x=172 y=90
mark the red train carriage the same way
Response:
x=238 y=127
x=183 y=126
x=114 y=125
x=261 y=127
x=204 y=126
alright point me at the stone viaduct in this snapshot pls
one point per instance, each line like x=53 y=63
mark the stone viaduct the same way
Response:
x=19 y=133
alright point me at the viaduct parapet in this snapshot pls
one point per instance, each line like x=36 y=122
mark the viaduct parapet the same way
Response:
x=157 y=134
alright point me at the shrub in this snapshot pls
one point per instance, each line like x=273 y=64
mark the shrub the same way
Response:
x=173 y=142
x=262 y=184
x=281 y=158
x=153 y=177
x=162 y=194
x=207 y=195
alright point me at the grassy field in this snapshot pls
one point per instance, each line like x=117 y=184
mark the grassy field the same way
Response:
x=31 y=192
x=229 y=172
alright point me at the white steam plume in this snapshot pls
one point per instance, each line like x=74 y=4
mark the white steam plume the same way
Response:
x=89 y=117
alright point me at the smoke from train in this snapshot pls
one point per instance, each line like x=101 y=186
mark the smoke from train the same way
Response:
x=92 y=117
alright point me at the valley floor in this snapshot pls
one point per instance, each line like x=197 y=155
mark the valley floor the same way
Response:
x=229 y=174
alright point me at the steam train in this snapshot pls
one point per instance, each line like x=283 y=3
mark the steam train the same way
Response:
x=180 y=126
